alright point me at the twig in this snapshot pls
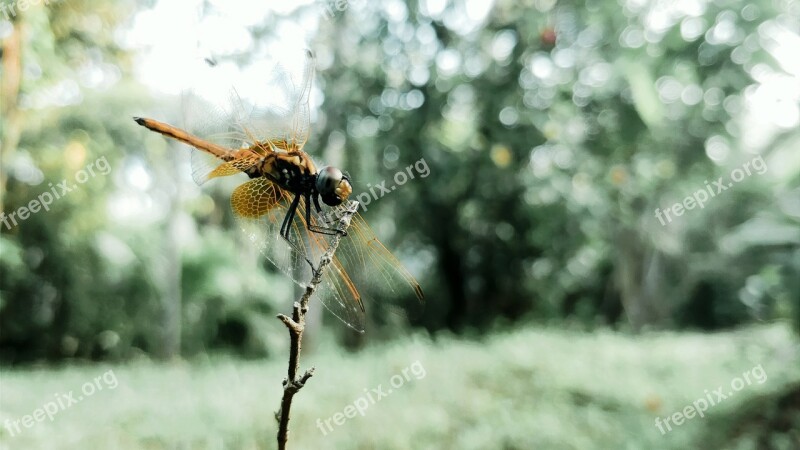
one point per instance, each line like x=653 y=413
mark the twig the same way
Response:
x=296 y=325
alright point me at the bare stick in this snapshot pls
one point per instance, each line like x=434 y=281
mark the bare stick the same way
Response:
x=296 y=325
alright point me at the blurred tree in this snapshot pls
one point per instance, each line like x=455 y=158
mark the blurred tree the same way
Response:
x=47 y=301
x=10 y=52
x=550 y=134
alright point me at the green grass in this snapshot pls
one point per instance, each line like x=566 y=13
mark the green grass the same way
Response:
x=532 y=388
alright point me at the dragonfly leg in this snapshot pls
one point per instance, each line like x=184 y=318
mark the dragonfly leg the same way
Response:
x=289 y=217
x=287 y=224
x=317 y=229
x=316 y=203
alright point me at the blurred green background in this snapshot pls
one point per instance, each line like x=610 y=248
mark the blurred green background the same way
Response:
x=564 y=310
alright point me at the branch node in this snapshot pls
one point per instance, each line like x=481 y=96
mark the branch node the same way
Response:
x=293 y=326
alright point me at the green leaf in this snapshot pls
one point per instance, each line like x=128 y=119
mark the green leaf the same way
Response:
x=643 y=89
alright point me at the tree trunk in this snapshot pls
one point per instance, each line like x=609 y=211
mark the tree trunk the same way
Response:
x=11 y=61
x=170 y=276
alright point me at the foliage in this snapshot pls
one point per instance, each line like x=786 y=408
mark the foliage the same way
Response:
x=552 y=133
x=530 y=388
x=552 y=137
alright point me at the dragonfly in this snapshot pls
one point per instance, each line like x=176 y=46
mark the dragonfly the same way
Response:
x=278 y=208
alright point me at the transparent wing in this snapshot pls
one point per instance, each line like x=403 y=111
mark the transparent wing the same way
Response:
x=365 y=272
x=379 y=276
x=259 y=115
x=260 y=207
x=284 y=114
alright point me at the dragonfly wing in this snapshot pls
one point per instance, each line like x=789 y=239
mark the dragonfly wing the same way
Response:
x=261 y=118
x=338 y=293
x=301 y=125
x=362 y=269
x=259 y=207
x=378 y=275
x=340 y=296
x=284 y=116
x=224 y=126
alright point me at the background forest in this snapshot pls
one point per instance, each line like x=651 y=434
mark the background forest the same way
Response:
x=609 y=228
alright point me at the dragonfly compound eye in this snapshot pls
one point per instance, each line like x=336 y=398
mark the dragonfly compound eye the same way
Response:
x=333 y=186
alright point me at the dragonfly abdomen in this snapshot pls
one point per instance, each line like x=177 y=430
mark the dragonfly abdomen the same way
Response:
x=182 y=136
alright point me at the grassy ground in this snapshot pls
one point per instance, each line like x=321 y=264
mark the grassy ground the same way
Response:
x=532 y=388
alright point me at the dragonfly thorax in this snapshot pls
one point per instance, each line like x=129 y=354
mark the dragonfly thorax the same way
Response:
x=293 y=172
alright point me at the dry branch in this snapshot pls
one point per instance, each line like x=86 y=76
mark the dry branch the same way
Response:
x=296 y=325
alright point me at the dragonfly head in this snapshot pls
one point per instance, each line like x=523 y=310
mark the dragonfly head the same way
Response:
x=333 y=186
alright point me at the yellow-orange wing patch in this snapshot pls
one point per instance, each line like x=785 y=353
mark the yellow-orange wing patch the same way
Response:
x=255 y=198
x=242 y=161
